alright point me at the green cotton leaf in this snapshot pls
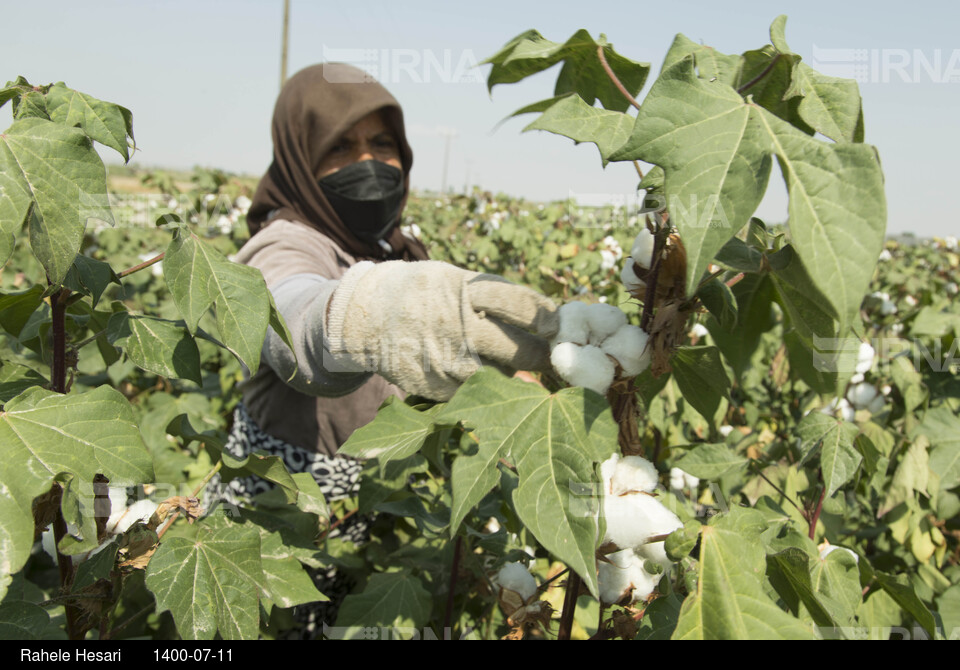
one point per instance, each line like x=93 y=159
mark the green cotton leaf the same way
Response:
x=829 y=588
x=910 y=383
x=711 y=461
x=710 y=63
x=681 y=542
x=103 y=122
x=17 y=308
x=716 y=161
x=942 y=428
x=210 y=582
x=555 y=441
x=839 y=458
x=287 y=583
x=809 y=311
x=16 y=378
x=398 y=431
x=280 y=328
x=32 y=104
x=715 y=150
x=719 y=300
x=701 y=378
x=21 y=620
x=571 y=117
x=903 y=593
x=730 y=602
x=156 y=345
x=396 y=600
x=911 y=476
x=582 y=72
x=767 y=77
x=934 y=323
x=53 y=173
x=267 y=467
x=755 y=316
x=199 y=276
x=830 y=105
x=803 y=363
x=90 y=277
x=659 y=618
x=45 y=434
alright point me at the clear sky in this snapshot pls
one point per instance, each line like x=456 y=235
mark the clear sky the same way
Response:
x=201 y=78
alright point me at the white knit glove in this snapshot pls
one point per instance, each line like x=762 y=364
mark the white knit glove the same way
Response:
x=426 y=326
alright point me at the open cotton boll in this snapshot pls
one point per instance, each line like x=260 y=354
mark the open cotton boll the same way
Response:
x=680 y=480
x=624 y=574
x=633 y=473
x=861 y=395
x=635 y=517
x=516 y=577
x=585 y=366
x=141 y=510
x=642 y=249
x=864 y=358
x=629 y=278
x=604 y=321
x=574 y=326
x=629 y=346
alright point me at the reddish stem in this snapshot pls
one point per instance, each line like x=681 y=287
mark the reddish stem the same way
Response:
x=145 y=264
x=454 y=569
x=613 y=78
x=816 y=512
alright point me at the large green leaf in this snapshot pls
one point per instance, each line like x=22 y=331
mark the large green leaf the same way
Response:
x=44 y=434
x=711 y=461
x=200 y=277
x=900 y=589
x=398 y=431
x=830 y=105
x=156 y=345
x=730 y=601
x=942 y=427
x=810 y=312
x=571 y=117
x=90 y=277
x=16 y=378
x=54 y=173
x=839 y=458
x=582 y=73
x=715 y=149
x=828 y=588
x=711 y=64
x=701 y=378
x=395 y=600
x=103 y=122
x=555 y=441
x=210 y=582
x=911 y=476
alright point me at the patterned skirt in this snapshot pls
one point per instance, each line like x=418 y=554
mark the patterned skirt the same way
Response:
x=338 y=478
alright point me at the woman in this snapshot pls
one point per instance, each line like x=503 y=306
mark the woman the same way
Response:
x=366 y=322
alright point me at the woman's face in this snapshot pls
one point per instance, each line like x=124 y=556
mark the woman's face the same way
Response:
x=369 y=139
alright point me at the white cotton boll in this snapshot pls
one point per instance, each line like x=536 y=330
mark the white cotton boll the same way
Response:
x=565 y=358
x=698 y=331
x=887 y=308
x=676 y=479
x=827 y=550
x=725 y=430
x=885 y=255
x=624 y=574
x=608 y=260
x=950 y=243
x=607 y=469
x=910 y=300
x=861 y=395
x=839 y=405
x=629 y=278
x=574 y=326
x=629 y=346
x=515 y=577
x=635 y=517
x=951 y=288
x=243 y=204
x=865 y=358
x=857 y=378
x=604 y=321
x=141 y=510
x=592 y=370
x=633 y=473
x=642 y=249
x=876 y=405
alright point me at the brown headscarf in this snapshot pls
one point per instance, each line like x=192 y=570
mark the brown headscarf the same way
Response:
x=316 y=106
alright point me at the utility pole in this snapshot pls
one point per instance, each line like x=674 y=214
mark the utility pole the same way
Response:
x=286 y=39
x=448 y=134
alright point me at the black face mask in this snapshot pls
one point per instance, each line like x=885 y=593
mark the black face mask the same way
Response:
x=367 y=197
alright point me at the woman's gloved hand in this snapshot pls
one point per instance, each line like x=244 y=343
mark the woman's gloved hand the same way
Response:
x=427 y=326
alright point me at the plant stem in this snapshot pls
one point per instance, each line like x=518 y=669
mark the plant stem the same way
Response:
x=65 y=566
x=636 y=164
x=760 y=76
x=613 y=78
x=448 y=617
x=81 y=344
x=569 y=606
x=543 y=587
x=336 y=523
x=735 y=279
x=116 y=629
x=816 y=513
x=781 y=492
x=145 y=264
x=58 y=372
